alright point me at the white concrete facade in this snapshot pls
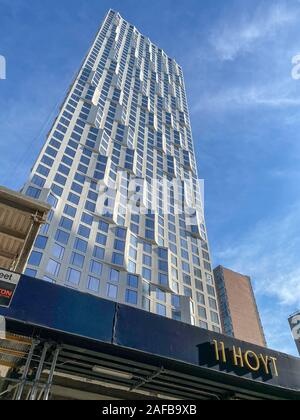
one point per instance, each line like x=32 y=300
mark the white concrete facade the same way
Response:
x=125 y=117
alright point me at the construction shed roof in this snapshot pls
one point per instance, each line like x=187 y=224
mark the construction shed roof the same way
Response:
x=20 y=219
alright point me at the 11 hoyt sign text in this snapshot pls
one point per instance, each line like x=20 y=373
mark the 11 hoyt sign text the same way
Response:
x=249 y=360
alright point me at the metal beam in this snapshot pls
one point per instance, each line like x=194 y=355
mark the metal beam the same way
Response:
x=39 y=372
x=16 y=339
x=22 y=207
x=51 y=374
x=7 y=255
x=142 y=382
x=26 y=370
x=12 y=352
x=7 y=364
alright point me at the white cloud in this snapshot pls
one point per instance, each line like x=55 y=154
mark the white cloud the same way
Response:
x=278 y=334
x=270 y=255
x=230 y=40
x=273 y=96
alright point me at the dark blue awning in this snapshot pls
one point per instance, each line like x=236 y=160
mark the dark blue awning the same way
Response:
x=63 y=315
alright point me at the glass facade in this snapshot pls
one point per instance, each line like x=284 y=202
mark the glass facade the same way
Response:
x=125 y=117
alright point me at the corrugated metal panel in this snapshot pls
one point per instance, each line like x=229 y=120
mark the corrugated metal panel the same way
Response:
x=14 y=220
x=20 y=218
x=13 y=226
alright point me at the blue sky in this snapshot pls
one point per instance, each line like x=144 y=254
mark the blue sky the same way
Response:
x=237 y=59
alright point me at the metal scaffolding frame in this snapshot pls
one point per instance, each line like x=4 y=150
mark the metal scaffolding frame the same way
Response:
x=30 y=386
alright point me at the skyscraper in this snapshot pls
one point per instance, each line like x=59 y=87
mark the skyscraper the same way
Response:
x=239 y=313
x=123 y=126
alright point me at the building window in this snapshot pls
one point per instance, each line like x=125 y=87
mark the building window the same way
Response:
x=188 y=292
x=163 y=266
x=119 y=245
x=186 y=267
x=84 y=231
x=213 y=304
x=58 y=251
x=93 y=284
x=200 y=299
x=131 y=297
x=147 y=274
x=214 y=317
x=146 y=304
x=35 y=258
x=187 y=280
x=87 y=218
x=53 y=268
x=69 y=210
x=160 y=295
x=101 y=239
x=150 y=234
x=66 y=223
x=73 y=276
x=133 y=281
x=80 y=245
x=62 y=237
x=112 y=291
x=147 y=260
x=209 y=279
x=211 y=291
x=216 y=329
x=120 y=233
x=163 y=279
x=45 y=229
x=203 y=325
x=176 y=315
x=176 y=301
x=161 y=309
x=37 y=180
x=199 y=285
x=147 y=248
x=99 y=253
x=202 y=313
x=33 y=192
x=117 y=259
x=52 y=200
x=41 y=242
x=163 y=254
x=104 y=227
x=131 y=266
x=77 y=260
x=114 y=275
x=132 y=253
x=96 y=268
x=57 y=190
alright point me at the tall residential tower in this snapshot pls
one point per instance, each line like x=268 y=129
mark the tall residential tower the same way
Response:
x=125 y=122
